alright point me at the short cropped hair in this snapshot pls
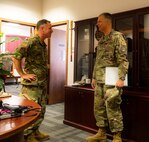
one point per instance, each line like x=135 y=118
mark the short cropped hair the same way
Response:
x=41 y=22
x=107 y=16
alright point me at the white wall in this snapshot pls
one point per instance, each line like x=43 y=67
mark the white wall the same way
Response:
x=60 y=10
x=21 y=10
x=75 y=10
x=82 y=9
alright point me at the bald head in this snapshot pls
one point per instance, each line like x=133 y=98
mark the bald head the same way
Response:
x=107 y=16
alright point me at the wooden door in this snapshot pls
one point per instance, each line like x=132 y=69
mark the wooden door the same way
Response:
x=57 y=60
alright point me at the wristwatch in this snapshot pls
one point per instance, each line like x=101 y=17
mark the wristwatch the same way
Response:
x=122 y=78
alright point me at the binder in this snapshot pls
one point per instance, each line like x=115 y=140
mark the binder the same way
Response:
x=111 y=76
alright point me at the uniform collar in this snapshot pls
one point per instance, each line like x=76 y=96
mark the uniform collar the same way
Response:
x=105 y=38
x=39 y=39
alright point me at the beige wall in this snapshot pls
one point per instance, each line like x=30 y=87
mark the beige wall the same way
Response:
x=61 y=10
x=21 y=10
x=83 y=9
x=75 y=10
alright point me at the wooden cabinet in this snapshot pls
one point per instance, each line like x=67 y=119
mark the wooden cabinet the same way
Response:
x=85 y=44
x=79 y=111
x=135 y=116
x=134 y=25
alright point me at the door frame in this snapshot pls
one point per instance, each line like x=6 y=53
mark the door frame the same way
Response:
x=16 y=22
x=32 y=31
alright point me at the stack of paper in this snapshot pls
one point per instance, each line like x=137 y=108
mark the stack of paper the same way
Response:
x=111 y=76
x=4 y=94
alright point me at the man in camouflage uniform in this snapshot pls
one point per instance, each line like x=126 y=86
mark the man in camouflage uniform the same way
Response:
x=35 y=74
x=111 y=52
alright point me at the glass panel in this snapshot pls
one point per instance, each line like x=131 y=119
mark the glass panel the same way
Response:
x=125 y=25
x=83 y=51
x=144 y=50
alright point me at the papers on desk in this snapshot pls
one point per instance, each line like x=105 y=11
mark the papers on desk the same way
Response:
x=4 y=94
x=111 y=76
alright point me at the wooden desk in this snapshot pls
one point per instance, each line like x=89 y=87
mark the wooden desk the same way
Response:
x=11 y=130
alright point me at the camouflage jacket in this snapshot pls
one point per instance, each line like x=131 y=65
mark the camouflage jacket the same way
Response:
x=34 y=51
x=111 y=52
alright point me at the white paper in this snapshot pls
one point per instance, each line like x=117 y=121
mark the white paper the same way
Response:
x=15 y=73
x=111 y=76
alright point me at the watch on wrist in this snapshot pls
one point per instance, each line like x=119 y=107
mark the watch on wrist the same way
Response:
x=122 y=78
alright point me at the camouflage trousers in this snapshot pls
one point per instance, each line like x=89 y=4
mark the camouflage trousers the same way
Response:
x=108 y=114
x=38 y=95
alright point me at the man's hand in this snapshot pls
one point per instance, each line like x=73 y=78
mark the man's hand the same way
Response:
x=24 y=75
x=29 y=77
x=93 y=83
x=120 y=83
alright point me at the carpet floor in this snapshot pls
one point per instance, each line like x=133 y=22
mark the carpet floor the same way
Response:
x=53 y=122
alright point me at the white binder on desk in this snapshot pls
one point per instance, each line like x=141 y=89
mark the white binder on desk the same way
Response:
x=111 y=76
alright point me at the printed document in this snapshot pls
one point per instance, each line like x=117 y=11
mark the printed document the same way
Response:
x=111 y=76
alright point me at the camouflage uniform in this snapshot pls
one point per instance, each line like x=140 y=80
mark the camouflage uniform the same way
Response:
x=111 y=52
x=35 y=53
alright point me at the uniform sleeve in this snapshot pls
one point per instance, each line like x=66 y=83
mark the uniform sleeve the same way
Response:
x=94 y=71
x=121 y=56
x=21 y=51
x=98 y=35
